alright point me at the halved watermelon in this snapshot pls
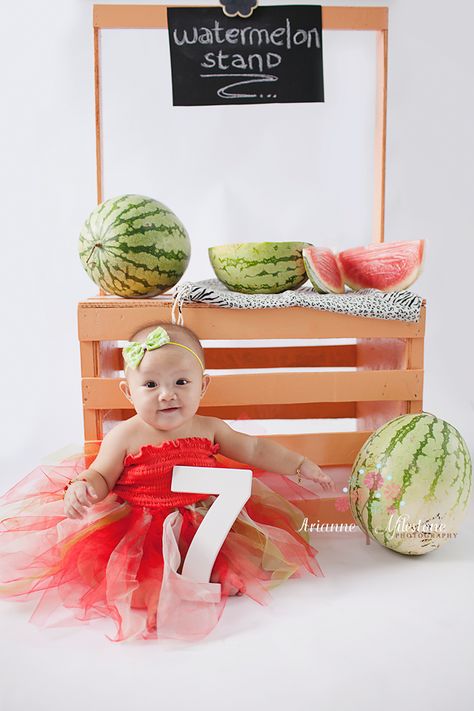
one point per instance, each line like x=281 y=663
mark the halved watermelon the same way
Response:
x=323 y=271
x=388 y=266
x=259 y=267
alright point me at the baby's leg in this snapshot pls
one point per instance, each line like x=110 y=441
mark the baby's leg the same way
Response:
x=147 y=595
x=230 y=581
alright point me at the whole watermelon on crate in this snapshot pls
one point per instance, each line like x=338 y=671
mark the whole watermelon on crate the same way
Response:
x=411 y=482
x=387 y=266
x=134 y=246
x=259 y=267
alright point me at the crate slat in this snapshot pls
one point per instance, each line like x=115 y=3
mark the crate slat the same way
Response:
x=313 y=410
x=90 y=367
x=280 y=388
x=108 y=318
x=415 y=359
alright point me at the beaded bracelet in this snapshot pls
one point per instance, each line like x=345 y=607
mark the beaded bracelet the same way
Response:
x=71 y=481
x=83 y=478
x=298 y=470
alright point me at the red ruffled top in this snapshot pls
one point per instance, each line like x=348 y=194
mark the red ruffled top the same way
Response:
x=146 y=477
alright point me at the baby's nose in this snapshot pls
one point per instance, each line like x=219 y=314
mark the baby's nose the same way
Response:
x=166 y=394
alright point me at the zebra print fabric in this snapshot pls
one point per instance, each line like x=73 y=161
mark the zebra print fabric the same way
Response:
x=370 y=303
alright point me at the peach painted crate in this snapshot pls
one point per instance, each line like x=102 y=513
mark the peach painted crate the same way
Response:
x=376 y=376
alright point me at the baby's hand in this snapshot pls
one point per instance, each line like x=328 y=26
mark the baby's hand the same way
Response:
x=78 y=497
x=310 y=470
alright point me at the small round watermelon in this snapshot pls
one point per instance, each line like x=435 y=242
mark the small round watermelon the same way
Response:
x=411 y=482
x=134 y=246
x=323 y=270
x=259 y=267
x=387 y=266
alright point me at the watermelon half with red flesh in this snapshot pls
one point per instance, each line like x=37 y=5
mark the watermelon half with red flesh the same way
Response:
x=388 y=266
x=322 y=269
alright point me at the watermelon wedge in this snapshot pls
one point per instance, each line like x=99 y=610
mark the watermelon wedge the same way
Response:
x=323 y=270
x=387 y=266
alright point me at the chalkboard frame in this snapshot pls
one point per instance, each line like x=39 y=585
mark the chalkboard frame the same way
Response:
x=370 y=19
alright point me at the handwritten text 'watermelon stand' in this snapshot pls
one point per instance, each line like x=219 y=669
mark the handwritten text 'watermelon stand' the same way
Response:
x=274 y=56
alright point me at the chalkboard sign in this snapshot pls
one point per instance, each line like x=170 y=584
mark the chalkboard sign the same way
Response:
x=274 y=56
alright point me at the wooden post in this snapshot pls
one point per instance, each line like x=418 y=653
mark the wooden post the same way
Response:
x=380 y=137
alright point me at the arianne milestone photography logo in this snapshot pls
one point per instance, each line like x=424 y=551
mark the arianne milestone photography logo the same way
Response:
x=341 y=503
x=325 y=527
x=401 y=527
x=397 y=526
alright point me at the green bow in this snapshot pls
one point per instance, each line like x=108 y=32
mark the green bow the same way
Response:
x=134 y=352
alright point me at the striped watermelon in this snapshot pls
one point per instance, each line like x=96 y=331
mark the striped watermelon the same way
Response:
x=413 y=474
x=134 y=246
x=259 y=267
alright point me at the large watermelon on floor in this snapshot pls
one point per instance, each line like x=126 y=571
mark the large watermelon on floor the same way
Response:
x=411 y=482
x=134 y=246
x=388 y=266
x=259 y=267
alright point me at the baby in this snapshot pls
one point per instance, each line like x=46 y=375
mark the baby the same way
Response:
x=165 y=382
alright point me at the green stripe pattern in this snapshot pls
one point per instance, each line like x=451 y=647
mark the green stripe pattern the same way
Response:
x=411 y=483
x=259 y=267
x=134 y=246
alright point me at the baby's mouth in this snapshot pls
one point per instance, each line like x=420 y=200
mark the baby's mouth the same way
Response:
x=169 y=409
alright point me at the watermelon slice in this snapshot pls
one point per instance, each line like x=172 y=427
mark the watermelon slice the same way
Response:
x=323 y=271
x=387 y=266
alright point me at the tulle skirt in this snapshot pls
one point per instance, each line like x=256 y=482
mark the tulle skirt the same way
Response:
x=123 y=562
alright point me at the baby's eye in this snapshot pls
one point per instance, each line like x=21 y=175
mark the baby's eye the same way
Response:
x=152 y=382
x=182 y=380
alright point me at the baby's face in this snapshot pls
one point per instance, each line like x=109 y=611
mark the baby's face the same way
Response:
x=166 y=388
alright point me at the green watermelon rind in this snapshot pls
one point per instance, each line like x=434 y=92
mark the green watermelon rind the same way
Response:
x=259 y=267
x=427 y=450
x=144 y=249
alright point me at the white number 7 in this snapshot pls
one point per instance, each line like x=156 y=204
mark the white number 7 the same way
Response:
x=234 y=487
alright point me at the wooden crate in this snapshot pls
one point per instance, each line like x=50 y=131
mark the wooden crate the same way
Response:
x=376 y=377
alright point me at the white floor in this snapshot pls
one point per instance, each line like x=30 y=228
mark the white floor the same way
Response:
x=380 y=631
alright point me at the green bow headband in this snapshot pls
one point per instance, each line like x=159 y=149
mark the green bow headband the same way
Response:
x=134 y=352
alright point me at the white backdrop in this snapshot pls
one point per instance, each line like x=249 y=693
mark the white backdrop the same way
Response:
x=295 y=650
x=243 y=173
x=300 y=171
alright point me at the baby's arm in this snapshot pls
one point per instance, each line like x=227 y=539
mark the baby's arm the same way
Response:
x=259 y=452
x=101 y=476
x=263 y=453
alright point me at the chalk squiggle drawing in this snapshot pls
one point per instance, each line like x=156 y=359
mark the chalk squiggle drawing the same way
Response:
x=223 y=92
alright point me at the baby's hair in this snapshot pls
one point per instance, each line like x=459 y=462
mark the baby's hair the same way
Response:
x=180 y=334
